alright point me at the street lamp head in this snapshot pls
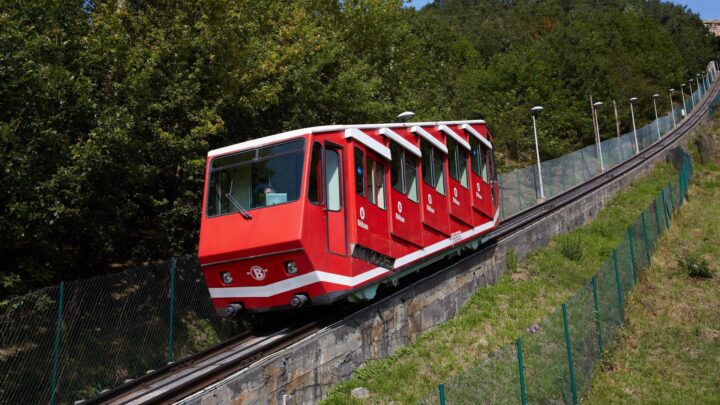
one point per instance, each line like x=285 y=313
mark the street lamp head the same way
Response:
x=404 y=116
x=671 y=91
x=633 y=100
x=691 y=80
x=598 y=104
x=656 y=95
x=536 y=110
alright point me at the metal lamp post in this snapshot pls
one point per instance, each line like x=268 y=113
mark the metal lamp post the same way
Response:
x=672 y=110
x=699 y=82
x=682 y=93
x=596 y=106
x=634 y=100
x=535 y=112
x=692 y=97
x=657 y=121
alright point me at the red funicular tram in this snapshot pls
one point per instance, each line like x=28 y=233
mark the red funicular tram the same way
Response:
x=316 y=215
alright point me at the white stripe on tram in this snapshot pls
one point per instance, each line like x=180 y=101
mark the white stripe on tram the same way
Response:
x=319 y=276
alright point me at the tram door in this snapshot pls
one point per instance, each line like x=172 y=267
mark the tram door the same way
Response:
x=337 y=235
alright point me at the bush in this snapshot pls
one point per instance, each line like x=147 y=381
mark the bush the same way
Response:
x=695 y=265
x=511 y=261
x=571 y=247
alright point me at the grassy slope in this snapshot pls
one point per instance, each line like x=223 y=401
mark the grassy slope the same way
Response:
x=495 y=316
x=669 y=351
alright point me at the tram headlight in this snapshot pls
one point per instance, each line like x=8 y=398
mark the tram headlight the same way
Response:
x=291 y=268
x=226 y=277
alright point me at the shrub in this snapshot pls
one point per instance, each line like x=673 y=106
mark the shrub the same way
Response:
x=695 y=265
x=511 y=261
x=571 y=247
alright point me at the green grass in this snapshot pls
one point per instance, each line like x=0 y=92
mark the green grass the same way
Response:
x=496 y=315
x=669 y=349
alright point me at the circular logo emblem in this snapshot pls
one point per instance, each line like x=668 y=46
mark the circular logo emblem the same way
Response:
x=399 y=206
x=477 y=186
x=429 y=199
x=455 y=191
x=362 y=213
x=257 y=272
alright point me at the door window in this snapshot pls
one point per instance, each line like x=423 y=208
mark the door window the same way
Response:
x=332 y=176
x=315 y=190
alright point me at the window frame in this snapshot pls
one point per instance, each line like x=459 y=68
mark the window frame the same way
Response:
x=400 y=157
x=256 y=158
x=321 y=177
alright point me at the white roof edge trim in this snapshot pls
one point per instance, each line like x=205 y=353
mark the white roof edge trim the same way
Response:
x=454 y=135
x=366 y=140
x=426 y=135
x=259 y=142
x=266 y=140
x=394 y=136
x=477 y=135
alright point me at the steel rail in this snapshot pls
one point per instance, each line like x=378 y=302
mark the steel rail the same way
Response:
x=194 y=374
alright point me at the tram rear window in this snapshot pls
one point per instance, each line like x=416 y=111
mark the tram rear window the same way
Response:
x=256 y=178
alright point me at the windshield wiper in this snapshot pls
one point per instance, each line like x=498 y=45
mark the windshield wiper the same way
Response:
x=241 y=210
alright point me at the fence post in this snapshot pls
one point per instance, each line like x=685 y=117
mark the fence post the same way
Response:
x=569 y=354
x=172 y=311
x=665 y=209
x=517 y=177
x=672 y=202
x=521 y=370
x=619 y=286
x=645 y=237
x=56 y=352
x=657 y=218
x=441 y=389
x=502 y=195
x=631 y=240
x=597 y=314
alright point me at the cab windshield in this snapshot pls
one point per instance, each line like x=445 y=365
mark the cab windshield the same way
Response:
x=255 y=178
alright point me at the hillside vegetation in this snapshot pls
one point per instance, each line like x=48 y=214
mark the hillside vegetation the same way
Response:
x=108 y=108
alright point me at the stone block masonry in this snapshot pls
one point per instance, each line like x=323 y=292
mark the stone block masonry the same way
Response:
x=304 y=372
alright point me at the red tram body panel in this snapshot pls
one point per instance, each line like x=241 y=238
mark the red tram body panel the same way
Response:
x=313 y=216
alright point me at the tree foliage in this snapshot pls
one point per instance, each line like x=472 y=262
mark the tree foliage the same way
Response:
x=107 y=108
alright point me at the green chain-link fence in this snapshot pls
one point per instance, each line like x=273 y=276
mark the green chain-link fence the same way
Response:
x=520 y=188
x=70 y=342
x=554 y=361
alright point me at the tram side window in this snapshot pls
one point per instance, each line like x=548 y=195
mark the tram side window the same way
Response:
x=432 y=166
x=462 y=167
x=375 y=182
x=479 y=159
x=457 y=160
x=396 y=168
x=359 y=172
x=403 y=172
x=315 y=193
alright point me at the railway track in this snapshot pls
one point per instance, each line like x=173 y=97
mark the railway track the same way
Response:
x=193 y=374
